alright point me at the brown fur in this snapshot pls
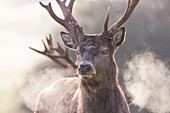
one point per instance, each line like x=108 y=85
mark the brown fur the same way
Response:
x=96 y=90
x=100 y=93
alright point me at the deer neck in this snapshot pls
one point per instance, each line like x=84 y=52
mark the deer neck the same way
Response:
x=100 y=97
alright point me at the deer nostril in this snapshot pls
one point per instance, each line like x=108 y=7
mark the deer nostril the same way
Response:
x=83 y=69
x=87 y=68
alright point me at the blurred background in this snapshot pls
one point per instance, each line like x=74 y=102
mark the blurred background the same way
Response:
x=26 y=23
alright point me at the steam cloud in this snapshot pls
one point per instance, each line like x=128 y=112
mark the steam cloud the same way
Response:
x=39 y=82
x=148 y=79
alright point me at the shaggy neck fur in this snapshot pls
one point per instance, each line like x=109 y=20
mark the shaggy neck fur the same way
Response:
x=104 y=97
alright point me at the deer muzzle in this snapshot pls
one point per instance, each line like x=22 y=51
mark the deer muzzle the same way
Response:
x=86 y=69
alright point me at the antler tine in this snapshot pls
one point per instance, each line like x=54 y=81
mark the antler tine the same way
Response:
x=66 y=9
x=46 y=51
x=50 y=43
x=70 y=6
x=53 y=15
x=106 y=21
x=49 y=51
x=131 y=5
x=65 y=55
x=68 y=22
x=45 y=47
x=63 y=7
x=59 y=49
x=49 y=40
x=41 y=52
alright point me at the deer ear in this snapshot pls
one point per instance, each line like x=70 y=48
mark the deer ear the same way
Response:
x=67 y=40
x=119 y=37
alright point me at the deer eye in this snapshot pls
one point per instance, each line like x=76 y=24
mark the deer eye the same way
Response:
x=105 y=52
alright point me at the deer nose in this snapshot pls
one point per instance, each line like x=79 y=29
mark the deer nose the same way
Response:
x=83 y=69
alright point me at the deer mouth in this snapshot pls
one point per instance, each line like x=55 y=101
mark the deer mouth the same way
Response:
x=86 y=70
x=86 y=76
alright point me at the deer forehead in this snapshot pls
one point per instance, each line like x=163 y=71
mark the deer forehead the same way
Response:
x=94 y=41
x=92 y=46
x=91 y=51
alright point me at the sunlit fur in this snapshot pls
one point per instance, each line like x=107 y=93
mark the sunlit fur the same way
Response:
x=100 y=93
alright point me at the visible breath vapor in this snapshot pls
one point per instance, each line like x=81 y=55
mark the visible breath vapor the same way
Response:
x=148 y=79
x=36 y=83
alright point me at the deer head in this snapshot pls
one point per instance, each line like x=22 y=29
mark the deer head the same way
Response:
x=94 y=52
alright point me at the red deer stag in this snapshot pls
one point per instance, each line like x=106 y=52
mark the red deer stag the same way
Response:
x=96 y=89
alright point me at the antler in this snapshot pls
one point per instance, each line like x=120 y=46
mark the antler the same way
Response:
x=130 y=7
x=50 y=51
x=68 y=22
